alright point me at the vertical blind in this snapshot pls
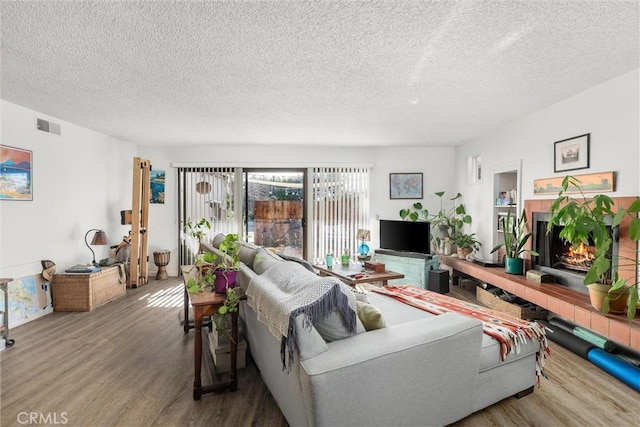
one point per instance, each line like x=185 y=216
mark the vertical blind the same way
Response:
x=205 y=192
x=340 y=207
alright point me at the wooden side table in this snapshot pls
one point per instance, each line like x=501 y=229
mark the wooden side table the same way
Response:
x=207 y=304
x=353 y=274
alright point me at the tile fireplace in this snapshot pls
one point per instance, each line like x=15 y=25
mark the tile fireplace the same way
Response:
x=553 y=251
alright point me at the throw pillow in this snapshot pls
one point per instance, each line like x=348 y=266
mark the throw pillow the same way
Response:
x=332 y=328
x=247 y=253
x=370 y=316
x=361 y=294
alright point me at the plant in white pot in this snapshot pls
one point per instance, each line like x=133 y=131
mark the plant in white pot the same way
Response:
x=583 y=220
x=514 y=231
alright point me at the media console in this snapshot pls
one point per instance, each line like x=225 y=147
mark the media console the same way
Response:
x=558 y=299
x=415 y=266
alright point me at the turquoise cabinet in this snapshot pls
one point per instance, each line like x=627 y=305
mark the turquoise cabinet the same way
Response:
x=414 y=266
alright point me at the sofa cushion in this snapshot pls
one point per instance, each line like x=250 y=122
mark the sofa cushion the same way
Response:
x=306 y=264
x=264 y=259
x=308 y=340
x=247 y=253
x=217 y=240
x=370 y=316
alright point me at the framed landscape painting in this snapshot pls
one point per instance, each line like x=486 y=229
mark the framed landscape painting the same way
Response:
x=602 y=182
x=15 y=174
x=405 y=185
x=572 y=153
x=157 y=186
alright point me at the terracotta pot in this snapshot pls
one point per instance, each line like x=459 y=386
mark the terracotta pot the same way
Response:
x=224 y=279
x=617 y=301
x=463 y=252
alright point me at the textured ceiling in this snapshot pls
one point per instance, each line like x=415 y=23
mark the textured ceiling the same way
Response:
x=352 y=73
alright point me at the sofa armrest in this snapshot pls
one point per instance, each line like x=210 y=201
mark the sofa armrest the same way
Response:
x=396 y=375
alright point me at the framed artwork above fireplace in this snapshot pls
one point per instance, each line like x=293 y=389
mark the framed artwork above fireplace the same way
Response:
x=601 y=182
x=571 y=153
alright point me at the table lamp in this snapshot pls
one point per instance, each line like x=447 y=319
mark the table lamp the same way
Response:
x=364 y=236
x=99 y=239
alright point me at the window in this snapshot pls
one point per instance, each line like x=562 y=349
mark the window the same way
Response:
x=205 y=193
x=340 y=207
x=474 y=169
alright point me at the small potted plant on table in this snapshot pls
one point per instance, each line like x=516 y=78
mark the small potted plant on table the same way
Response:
x=515 y=238
x=227 y=268
x=465 y=243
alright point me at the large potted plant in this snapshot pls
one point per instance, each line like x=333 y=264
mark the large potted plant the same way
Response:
x=583 y=220
x=444 y=223
x=515 y=237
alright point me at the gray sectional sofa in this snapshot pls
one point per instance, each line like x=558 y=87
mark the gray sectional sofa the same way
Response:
x=419 y=370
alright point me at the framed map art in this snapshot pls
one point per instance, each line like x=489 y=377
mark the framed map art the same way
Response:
x=405 y=185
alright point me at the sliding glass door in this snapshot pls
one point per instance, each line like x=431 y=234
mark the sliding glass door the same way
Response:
x=269 y=207
x=274 y=209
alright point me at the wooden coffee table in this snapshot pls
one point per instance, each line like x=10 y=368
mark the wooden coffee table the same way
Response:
x=353 y=274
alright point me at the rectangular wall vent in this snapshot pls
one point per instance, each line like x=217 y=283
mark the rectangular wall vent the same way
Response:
x=47 y=126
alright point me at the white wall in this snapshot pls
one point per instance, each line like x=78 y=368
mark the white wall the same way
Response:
x=81 y=180
x=610 y=112
x=435 y=163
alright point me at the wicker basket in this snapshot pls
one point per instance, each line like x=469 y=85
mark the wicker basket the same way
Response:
x=84 y=292
x=530 y=313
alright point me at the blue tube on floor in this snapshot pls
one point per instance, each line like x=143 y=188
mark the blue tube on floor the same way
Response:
x=613 y=365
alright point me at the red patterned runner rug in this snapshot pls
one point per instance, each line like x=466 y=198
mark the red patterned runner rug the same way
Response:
x=508 y=330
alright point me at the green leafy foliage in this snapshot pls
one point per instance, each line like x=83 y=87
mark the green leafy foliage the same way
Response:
x=451 y=220
x=465 y=241
x=230 y=306
x=515 y=235
x=230 y=248
x=583 y=221
x=202 y=281
x=198 y=230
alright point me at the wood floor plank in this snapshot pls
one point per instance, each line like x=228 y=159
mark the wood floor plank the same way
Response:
x=129 y=363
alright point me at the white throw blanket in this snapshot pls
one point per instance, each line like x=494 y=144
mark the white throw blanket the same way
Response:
x=287 y=289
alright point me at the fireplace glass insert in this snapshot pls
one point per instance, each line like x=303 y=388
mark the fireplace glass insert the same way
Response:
x=567 y=264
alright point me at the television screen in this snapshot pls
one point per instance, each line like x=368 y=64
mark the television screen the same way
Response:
x=405 y=236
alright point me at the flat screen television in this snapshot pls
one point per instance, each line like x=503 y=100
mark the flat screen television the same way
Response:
x=405 y=236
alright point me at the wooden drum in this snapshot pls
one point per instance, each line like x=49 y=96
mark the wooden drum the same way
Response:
x=161 y=259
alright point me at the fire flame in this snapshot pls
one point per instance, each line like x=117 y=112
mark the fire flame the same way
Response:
x=581 y=254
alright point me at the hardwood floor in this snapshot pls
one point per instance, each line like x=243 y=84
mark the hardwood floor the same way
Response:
x=129 y=363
